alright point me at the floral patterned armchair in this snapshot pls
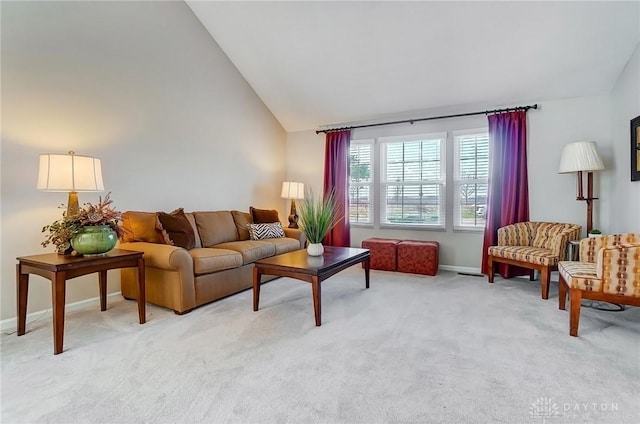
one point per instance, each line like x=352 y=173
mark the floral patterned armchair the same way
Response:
x=608 y=270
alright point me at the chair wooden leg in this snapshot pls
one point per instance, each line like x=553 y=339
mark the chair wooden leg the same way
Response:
x=574 y=315
x=562 y=294
x=532 y=275
x=544 y=282
x=490 y=268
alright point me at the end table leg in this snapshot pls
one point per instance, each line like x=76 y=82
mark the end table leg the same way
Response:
x=317 y=299
x=22 y=280
x=142 y=294
x=58 y=298
x=367 y=263
x=257 y=276
x=102 y=283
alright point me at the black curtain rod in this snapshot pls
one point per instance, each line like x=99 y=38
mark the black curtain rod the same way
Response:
x=411 y=121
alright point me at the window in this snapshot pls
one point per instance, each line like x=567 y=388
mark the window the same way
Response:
x=360 y=182
x=412 y=180
x=471 y=176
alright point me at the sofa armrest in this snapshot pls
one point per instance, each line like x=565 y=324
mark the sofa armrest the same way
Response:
x=162 y=256
x=558 y=244
x=619 y=266
x=297 y=234
x=169 y=275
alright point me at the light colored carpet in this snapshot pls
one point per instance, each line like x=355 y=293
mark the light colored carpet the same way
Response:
x=411 y=349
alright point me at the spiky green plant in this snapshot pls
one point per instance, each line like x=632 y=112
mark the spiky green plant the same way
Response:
x=318 y=215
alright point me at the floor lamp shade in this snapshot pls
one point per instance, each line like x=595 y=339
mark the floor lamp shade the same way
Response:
x=580 y=157
x=71 y=173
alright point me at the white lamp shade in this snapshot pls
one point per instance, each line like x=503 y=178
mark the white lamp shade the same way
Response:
x=580 y=156
x=69 y=173
x=292 y=190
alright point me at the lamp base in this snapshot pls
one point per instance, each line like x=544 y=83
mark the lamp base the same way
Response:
x=72 y=204
x=293 y=217
x=293 y=221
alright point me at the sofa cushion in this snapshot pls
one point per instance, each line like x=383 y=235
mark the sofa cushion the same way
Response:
x=518 y=234
x=265 y=231
x=192 y=221
x=250 y=250
x=242 y=219
x=545 y=234
x=215 y=227
x=264 y=216
x=208 y=260
x=284 y=245
x=140 y=226
x=535 y=255
x=176 y=229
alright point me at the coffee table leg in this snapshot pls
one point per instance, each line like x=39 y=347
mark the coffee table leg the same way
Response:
x=102 y=283
x=23 y=289
x=257 y=275
x=142 y=294
x=367 y=263
x=317 y=299
x=58 y=298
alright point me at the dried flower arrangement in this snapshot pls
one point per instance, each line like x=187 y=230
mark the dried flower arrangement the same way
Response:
x=62 y=230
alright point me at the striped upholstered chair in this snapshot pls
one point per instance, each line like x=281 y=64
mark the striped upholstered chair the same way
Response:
x=608 y=270
x=538 y=246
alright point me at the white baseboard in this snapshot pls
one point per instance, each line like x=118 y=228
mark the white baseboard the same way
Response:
x=465 y=269
x=11 y=324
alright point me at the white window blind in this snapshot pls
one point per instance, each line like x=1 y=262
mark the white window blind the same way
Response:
x=471 y=176
x=413 y=180
x=361 y=182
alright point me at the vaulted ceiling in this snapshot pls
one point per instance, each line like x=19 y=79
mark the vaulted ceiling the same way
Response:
x=319 y=63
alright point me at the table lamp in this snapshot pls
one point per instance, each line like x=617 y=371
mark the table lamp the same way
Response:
x=292 y=190
x=70 y=173
x=580 y=157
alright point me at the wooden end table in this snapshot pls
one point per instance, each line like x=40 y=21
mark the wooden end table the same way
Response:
x=60 y=268
x=312 y=269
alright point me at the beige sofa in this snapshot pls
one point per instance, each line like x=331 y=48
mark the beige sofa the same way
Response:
x=219 y=264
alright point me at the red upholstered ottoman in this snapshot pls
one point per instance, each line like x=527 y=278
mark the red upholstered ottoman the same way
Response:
x=418 y=257
x=383 y=253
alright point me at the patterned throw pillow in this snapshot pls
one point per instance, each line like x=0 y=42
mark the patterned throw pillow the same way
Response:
x=265 y=231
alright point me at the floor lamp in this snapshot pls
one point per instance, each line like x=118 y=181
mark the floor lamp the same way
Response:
x=580 y=157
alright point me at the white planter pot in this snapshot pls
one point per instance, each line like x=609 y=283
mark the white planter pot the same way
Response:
x=315 y=249
x=594 y=235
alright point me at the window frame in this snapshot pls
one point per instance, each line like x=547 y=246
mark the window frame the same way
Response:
x=371 y=184
x=440 y=182
x=458 y=181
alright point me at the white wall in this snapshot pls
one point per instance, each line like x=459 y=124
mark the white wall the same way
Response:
x=551 y=195
x=625 y=105
x=143 y=87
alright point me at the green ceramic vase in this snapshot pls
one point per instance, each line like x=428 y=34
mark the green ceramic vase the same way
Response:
x=94 y=240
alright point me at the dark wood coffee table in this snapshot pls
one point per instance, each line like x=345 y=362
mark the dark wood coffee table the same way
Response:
x=312 y=269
